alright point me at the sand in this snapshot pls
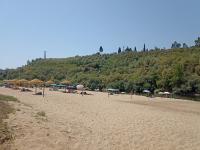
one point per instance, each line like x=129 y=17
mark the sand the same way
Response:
x=96 y=122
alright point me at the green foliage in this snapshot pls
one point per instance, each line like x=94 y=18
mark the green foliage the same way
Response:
x=144 y=49
x=176 y=45
x=119 y=50
x=185 y=45
x=174 y=70
x=101 y=49
x=5 y=134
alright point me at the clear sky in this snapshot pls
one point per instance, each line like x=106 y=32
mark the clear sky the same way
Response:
x=78 y=27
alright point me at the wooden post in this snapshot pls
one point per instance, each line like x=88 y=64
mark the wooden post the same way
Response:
x=35 y=89
x=43 y=91
x=131 y=94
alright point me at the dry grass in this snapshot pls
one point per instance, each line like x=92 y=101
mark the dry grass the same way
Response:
x=41 y=113
x=7 y=98
x=5 y=135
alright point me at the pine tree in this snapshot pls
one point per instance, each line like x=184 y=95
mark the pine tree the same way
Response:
x=185 y=45
x=144 y=49
x=135 y=49
x=119 y=50
x=176 y=45
x=101 y=49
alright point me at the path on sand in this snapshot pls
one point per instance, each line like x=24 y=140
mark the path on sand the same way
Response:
x=97 y=122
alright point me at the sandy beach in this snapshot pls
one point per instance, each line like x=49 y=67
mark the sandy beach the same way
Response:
x=99 y=122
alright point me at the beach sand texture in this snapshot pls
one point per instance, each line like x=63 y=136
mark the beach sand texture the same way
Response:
x=96 y=122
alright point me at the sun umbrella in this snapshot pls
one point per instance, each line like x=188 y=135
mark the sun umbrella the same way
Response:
x=6 y=81
x=22 y=82
x=49 y=82
x=146 y=91
x=80 y=87
x=167 y=93
x=66 y=82
x=13 y=82
x=36 y=82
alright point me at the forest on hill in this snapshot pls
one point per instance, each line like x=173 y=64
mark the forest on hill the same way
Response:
x=175 y=70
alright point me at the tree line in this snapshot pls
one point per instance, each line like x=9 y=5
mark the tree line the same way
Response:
x=174 y=45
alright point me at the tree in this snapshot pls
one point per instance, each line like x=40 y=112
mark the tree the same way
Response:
x=128 y=49
x=94 y=84
x=157 y=49
x=135 y=49
x=119 y=50
x=176 y=45
x=185 y=45
x=144 y=49
x=101 y=49
x=197 y=42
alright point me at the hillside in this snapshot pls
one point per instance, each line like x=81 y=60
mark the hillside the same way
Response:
x=176 y=70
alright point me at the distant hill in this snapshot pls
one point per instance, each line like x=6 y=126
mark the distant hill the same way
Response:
x=176 y=70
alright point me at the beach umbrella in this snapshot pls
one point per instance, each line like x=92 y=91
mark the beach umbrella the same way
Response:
x=11 y=82
x=80 y=87
x=166 y=93
x=22 y=82
x=6 y=81
x=146 y=91
x=66 y=82
x=36 y=82
x=48 y=83
x=14 y=82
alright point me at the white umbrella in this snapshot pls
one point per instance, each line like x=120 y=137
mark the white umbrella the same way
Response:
x=167 y=93
x=146 y=91
x=80 y=87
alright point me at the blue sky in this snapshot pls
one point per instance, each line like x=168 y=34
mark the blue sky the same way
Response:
x=78 y=27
